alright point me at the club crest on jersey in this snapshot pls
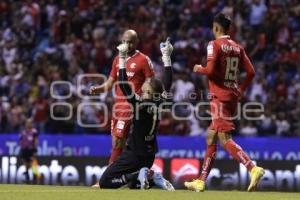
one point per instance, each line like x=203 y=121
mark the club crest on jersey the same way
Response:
x=227 y=48
x=132 y=65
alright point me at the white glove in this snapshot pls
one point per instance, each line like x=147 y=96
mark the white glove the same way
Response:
x=123 y=50
x=166 y=49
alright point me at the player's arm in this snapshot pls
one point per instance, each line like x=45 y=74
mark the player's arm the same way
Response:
x=148 y=69
x=166 y=49
x=106 y=86
x=212 y=54
x=250 y=72
x=124 y=84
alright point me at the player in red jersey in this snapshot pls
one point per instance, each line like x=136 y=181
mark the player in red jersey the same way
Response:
x=139 y=69
x=224 y=57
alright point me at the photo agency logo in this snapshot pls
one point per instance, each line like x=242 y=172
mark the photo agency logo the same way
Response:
x=94 y=112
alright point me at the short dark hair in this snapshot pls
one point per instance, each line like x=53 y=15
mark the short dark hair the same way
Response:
x=156 y=85
x=158 y=89
x=223 y=20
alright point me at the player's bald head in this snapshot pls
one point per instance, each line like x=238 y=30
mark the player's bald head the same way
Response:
x=131 y=38
x=130 y=34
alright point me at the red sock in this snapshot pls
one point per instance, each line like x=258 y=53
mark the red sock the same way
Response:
x=238 y=154
x=114 y=155
x=209 y=159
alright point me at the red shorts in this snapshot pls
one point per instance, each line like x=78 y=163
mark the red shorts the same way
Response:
x=121 y=119
x=223 y=113
x=120 y=128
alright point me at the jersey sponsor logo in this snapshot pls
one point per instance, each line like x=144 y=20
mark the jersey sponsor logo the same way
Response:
x=120 y=124
x=129 y=74
x=117 y=180
x=227 y=48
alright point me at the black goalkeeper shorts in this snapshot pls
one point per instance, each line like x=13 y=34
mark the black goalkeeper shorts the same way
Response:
x=27 y=154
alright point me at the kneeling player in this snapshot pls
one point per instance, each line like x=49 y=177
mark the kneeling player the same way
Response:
x=132 y=168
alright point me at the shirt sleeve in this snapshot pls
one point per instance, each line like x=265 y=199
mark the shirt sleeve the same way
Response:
x=212 y=55
x=148 y=68
x=114 y=69
x=248 y=67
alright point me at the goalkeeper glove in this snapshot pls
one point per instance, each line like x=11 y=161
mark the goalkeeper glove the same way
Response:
x=123 y=50
x=166 y=49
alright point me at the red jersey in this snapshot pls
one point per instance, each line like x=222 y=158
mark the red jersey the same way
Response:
x=138 y=68
x=224 y=59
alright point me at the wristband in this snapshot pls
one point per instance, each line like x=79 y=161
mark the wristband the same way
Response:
x=122 y=63
x=167 y=61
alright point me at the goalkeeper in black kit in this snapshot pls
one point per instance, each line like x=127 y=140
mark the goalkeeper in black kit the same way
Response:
x=132 y=168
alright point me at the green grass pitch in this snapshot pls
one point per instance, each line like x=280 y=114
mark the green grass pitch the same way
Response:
x=31 y=192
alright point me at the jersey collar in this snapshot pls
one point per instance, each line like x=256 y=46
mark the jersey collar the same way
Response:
x=136 y=52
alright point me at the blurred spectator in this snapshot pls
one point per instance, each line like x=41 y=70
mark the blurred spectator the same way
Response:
x=257 y=13
x=282 y=125
x=248 y=129
x=46 y=41
x=182 y=88
x=268 y=125
x=40 y=113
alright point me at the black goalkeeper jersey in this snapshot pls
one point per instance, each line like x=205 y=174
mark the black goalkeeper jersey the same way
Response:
x=145 y=122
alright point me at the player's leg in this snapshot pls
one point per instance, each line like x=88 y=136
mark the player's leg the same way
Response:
x=210 y=156
x=141 y=178
x=241 y=156
x=121 y=171
x=35 y=170
x=34 y=166
x=235 y=150
x=146 y=178
x=26 y=160
x=27 y=167
x=118 y=145
x=119 y=132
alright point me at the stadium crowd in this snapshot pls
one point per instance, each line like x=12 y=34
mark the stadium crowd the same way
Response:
x=43 y=41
